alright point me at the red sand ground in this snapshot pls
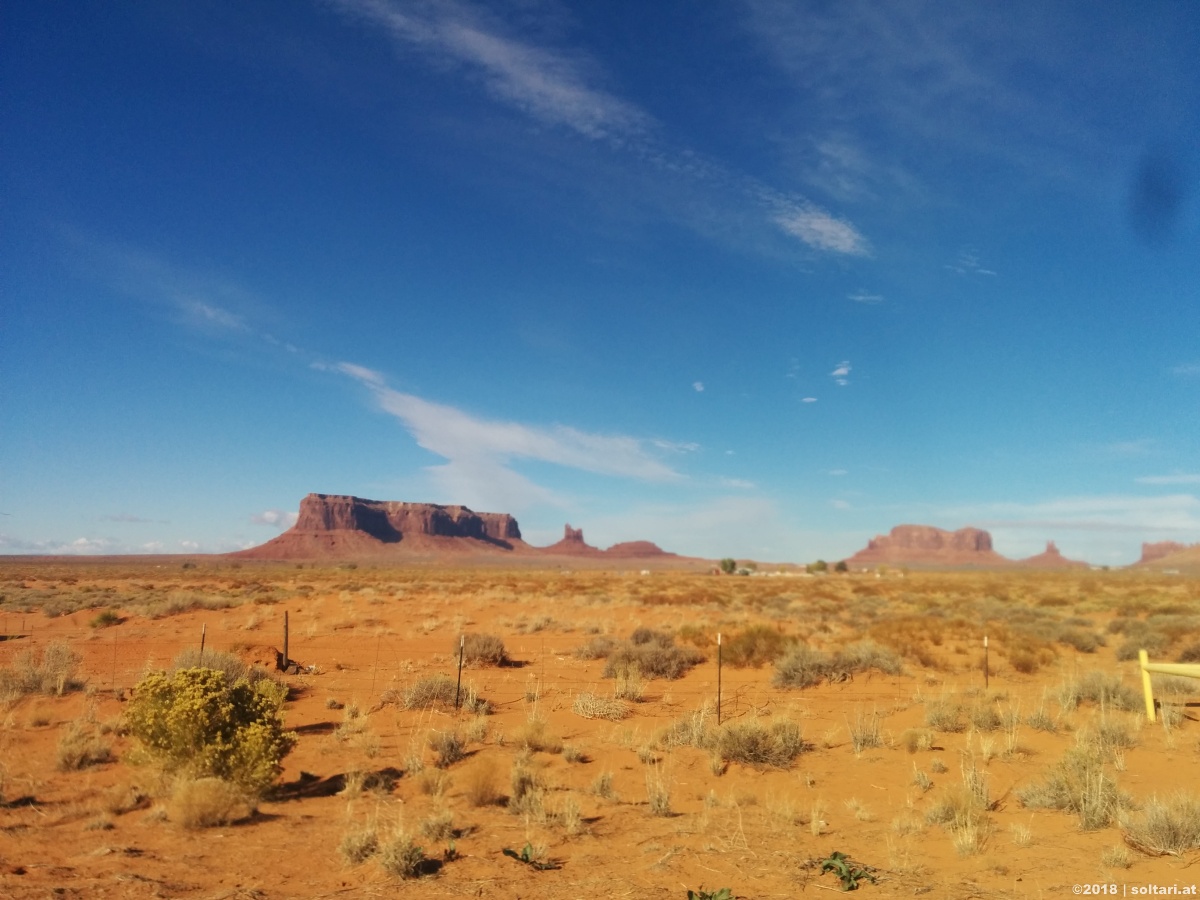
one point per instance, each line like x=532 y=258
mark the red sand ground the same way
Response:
x=746 y=829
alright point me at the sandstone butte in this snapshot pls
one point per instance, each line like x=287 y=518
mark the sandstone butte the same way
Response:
x=1168 y=554
x=331 y=526
x=924 y=545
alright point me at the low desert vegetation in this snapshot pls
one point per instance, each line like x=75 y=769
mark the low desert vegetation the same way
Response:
x=48 y=670
x=653 y=654
x=194 y=723
x=1165 y=826
x=804 y=666
x=482 y=650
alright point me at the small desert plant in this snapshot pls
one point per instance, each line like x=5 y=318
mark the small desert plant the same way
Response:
x=628 y=685
x=105 y=619
x=654 y=654
x=1116 y=857
x=602 y=787
x=1166 y=826
x=864 y=732
x=914 y=739
x=534 y=738
x=479 y=785
x=50 y=671
x=945 y=714
x=440 y=691
x=593 y=706
x=193 y=721
x=227 y=664
x=598 y=647
x=449 y=747
x=208 y=802
x=753 y=744
x=401 y=856
x=482 y=650
x=358 y=845
x=754 y=646
x=80 y=747
x=439 y=826
x=658 y=792
x=1078 y=784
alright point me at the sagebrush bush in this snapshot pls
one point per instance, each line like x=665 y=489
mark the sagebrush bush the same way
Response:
x=208 y=802
x=227 y=664
x=482 y=650
x=193 y=721
x=804 y=666
x=754 y=646
x=1170 y=826
x=753 y=744
x=653 y=654
x=1079 y=783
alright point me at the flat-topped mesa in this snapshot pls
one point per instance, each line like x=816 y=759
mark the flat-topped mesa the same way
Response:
x=924 y=544
x=1154 y=552
x=390 y=520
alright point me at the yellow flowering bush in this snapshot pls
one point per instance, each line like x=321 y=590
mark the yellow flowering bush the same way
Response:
x=194 y=722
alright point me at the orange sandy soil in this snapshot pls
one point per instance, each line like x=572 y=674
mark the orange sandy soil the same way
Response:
x=369 y=631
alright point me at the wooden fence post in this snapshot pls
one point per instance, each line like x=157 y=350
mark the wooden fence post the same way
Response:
x=718 y=678
x=462 y=643
x=203 y=630
x=985 y=662
x=285 y=641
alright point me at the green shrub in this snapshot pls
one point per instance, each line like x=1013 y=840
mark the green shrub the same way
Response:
x=194 y=722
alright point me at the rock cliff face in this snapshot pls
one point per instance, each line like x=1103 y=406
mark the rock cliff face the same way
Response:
x=1153 y=552
x=331 y=525
x=1051 y=558
x=926 y=545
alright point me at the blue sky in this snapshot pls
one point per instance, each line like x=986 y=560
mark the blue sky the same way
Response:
x=754 y=278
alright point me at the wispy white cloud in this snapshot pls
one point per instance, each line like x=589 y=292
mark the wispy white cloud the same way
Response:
x=698 y=386
x=564 y=87
x=479 y=452
x=1176 y=479
x=968 y=264
x=550 y=86
x=861 y=296
x=275 y=518
x=836 y=472
x=840 y=504
x=1128 y=449
x=1121 y=513
x=125 y=517
x=1186 y=370
x=739 y=483
x=822 y=231
x=841 y=373
x=808 y=399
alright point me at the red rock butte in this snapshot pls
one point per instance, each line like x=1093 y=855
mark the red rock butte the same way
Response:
x=334 y=526
x=924 y=545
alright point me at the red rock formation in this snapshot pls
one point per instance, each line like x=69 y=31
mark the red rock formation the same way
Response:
x=1051 y=558
x=636 y=550
x=572 y=544
x=925 y=545
x=1153 y=552
x=331 y=525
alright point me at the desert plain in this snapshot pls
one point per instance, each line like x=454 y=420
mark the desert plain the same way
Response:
x=857 y=715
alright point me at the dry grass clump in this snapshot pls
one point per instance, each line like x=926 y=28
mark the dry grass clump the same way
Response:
x=439 y=826
x=1080 y=784
x=1165 y=826
x=358 y=845
x=753 y=744
x=482 y=650
x=48 y=671
x=692 y=730
x=754 y=646
x=401 y=857
x=914 y=739
x=448 y=747
x=804 y=666
x=945 y=714
x=533 y=737
x=80 y=746
x=654 y=654
x=479 y=784
x=865 y=731
x=207 y=803
x=1104 y=690
x=227 y=664
x=440 y=691
x=593 y=706
x=658 y=791
x=527 y=794
x=598 y=647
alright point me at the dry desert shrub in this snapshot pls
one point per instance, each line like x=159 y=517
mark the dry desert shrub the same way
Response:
x=479 y=784
x=80 y=746
x=914 y=739
x=401 y=857
x=654 y=654
x=1104 y=690
x=482 y=650
x=527 y=794
x=448 y=747
x=207 y=803
x=754 y=646
x=433 y=782
x=602 y=787
x=945 y=714
x=48 y=671
x=804 y=666
x=598 y=647
x=358 y=845
x=227 y=664
x=439 y=691
x=1078 y=783
x=439 y=826
x=533 y=737
x=593 y=706
x=693 y=730
x=658 y=791
x=1165 y=826
x=752 y=744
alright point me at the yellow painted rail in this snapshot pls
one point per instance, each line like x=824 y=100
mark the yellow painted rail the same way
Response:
x=1183 y=670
